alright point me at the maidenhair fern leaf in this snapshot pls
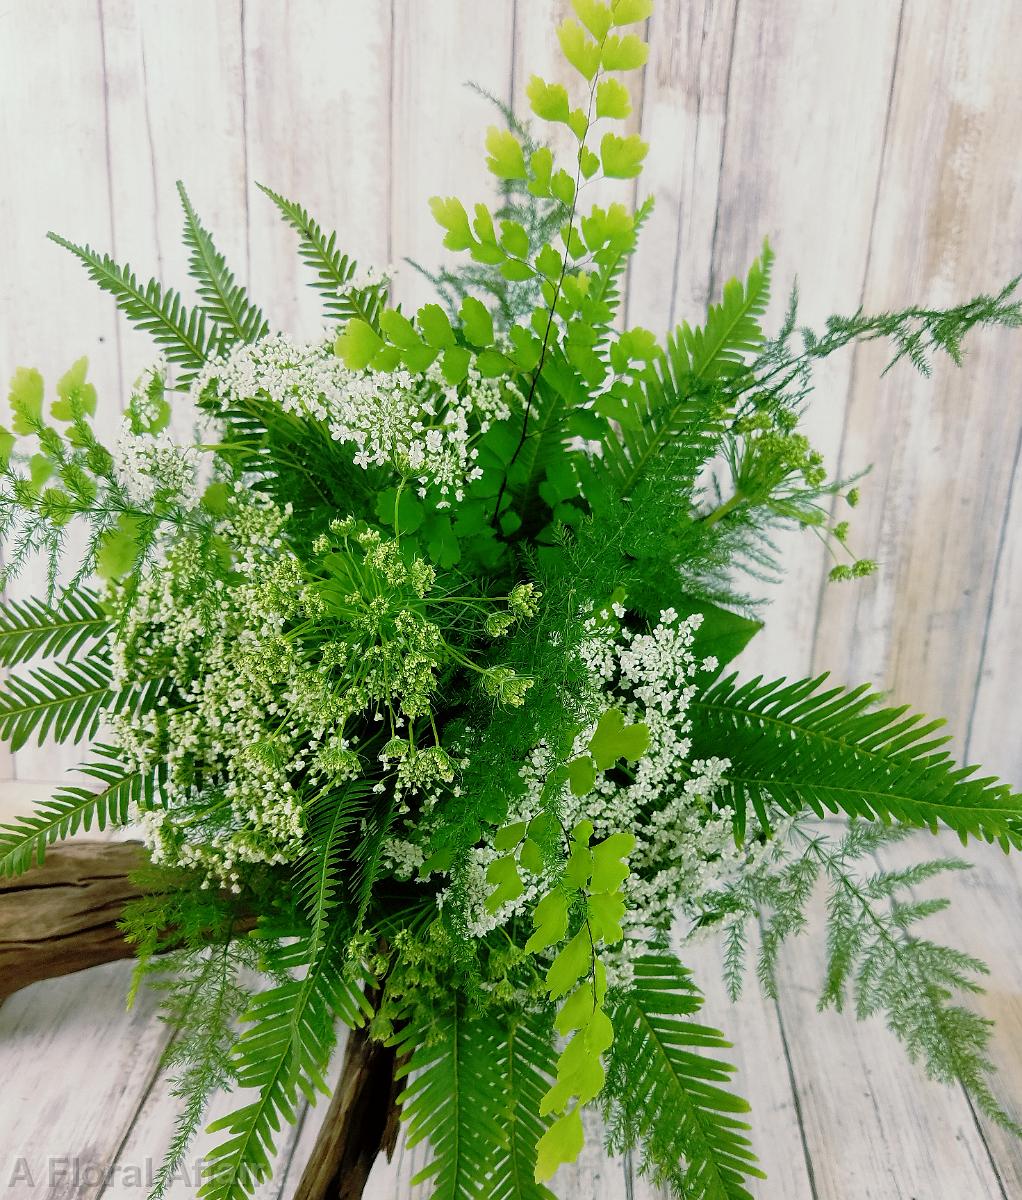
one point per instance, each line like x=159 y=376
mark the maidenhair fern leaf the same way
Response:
x=664 y=1090
x=23 y=843
x=184 y=336
x=66 y=701
x=801 y=746
x=334 y=271
x=33 y=629
x=283 y=1053
x=223 y=300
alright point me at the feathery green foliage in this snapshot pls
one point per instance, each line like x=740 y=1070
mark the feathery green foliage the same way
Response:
x=801 y=747
x=283 y=1053
x=67 y=701
x=665 y=1089
x=343 y=299
x=183 y=336
x=873 y=950
x=23 y=843
x=223 y=300
x=474 y=1092
x=34 y=629
x=317 y=873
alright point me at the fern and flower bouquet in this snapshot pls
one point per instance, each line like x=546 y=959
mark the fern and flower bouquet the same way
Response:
x=410 y=648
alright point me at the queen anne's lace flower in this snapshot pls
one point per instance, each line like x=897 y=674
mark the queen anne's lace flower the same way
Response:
x=420 y=424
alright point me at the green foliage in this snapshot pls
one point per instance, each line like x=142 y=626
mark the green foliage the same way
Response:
x=918 y=333
x=183 y=336
x=23 y=843
x=33 y=629
x=67 y=701
x=665 y=1089
x=419 y=672
x=474 y=1093
x=223 y=300
x=330 y=821
x=284 y=1052
x=335 y=273
x=873 y=950
x=801 y=746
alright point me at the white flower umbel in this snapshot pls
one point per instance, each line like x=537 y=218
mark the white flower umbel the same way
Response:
x=685 y=845
x=417 y=423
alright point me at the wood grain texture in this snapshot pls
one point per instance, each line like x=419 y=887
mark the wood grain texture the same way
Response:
x=948 y=219
x=62 y=916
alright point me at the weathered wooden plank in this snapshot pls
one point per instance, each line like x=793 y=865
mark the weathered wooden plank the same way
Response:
x=874 y=1124
x=783 y=176
x=992 y=733
x=948 y=220
x=75 y=1065
x=318 y=120
x=147 y=1139
x=685 y=97
x=175 y=82
x=760 y=1054
x=437 y=125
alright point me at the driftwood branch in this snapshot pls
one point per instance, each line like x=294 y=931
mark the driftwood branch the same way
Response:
x=362 y=1121
x=61 y=917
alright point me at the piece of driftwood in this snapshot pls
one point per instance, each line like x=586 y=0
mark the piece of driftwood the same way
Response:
x=61 y=917
x=361 y=1122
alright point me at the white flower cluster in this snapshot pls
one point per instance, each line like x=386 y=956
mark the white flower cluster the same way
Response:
x=685 y=846
x=146 y=459
x=417 y=423
x=247 y=708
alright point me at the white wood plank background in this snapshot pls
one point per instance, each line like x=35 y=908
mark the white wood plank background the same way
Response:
x=874 y=143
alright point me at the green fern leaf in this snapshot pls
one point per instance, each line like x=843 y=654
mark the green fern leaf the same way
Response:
x=367 y=857
x=662 y=1088
x=525 y=1059
x=183 y=336
x=676 y=424
x=732 y=329
x=454 y=1100
x=678 y=406
x=802 y=747
x=334 y=271
x=317 y=874
x=67 y=701
x=223 y=300
x=34 y=629
x=23 y=843
x=283 y=1053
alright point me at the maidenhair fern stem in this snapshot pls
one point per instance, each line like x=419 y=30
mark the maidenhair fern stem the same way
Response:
x=553 y=304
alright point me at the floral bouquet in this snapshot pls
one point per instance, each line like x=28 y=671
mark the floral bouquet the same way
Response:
x=410 y=650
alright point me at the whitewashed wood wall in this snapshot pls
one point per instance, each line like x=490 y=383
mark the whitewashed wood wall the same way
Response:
x=875 y=142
